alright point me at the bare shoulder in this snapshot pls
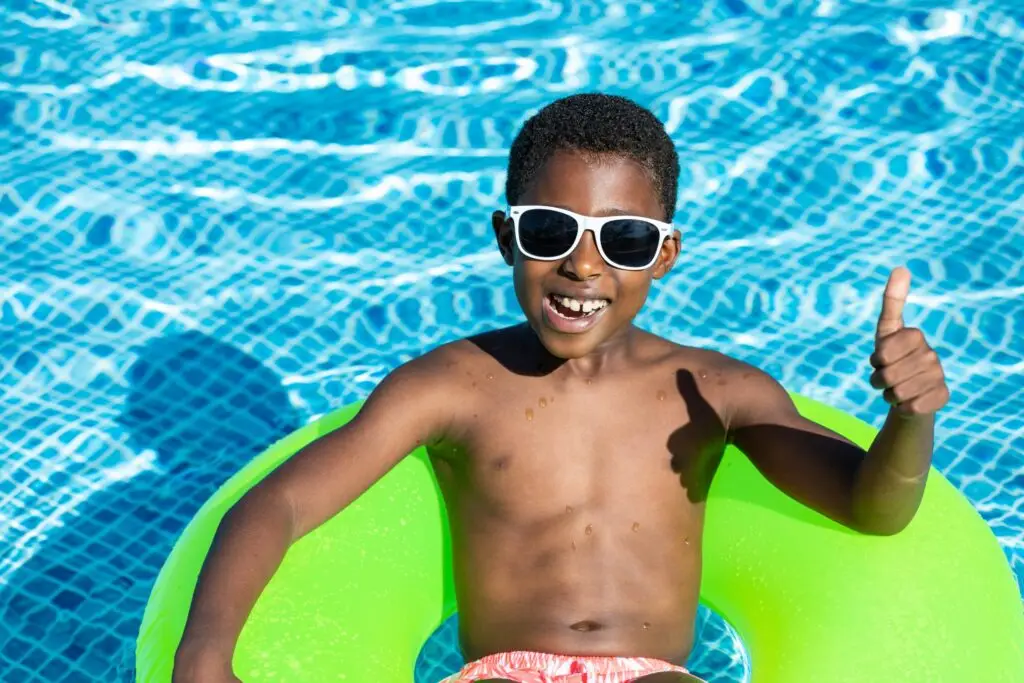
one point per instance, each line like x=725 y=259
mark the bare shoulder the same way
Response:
x=666 y=354
x=437 y=375
x=737 y=391
x=745 y=394
x=714 y=367
x=439 y=362
x=446 y=375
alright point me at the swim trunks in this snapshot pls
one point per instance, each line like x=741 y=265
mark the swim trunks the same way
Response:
x=538 y=667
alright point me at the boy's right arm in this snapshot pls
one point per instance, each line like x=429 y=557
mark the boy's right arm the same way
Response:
x=412 y=406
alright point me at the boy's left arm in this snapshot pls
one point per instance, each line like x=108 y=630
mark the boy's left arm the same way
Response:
x=876 y=492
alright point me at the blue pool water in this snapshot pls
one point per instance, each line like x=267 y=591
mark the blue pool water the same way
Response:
x=223 y=219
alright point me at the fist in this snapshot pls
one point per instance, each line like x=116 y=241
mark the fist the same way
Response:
x=906 y=368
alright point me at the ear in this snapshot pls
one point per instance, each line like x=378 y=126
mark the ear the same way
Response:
x=667 y=257
x=503 y=231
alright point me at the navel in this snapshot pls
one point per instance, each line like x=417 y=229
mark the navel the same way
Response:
x=586 y=626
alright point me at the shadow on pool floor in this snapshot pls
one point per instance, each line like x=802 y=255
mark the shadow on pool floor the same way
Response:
x=72 y=612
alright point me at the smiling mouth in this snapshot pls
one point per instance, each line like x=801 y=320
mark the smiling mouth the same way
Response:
x=575 y=309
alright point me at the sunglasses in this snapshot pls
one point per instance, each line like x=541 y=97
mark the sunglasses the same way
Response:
x=547 y=233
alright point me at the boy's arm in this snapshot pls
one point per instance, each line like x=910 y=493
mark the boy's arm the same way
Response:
x=874 y=492
x=411 y=406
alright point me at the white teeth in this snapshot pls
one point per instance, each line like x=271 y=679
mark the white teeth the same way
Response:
x=585 y=305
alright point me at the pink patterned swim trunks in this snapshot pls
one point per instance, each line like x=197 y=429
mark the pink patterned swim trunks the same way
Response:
x=538 y=667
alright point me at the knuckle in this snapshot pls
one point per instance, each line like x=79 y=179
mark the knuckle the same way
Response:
x=883 y=353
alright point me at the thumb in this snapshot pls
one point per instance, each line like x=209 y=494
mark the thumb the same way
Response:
x=893 y=300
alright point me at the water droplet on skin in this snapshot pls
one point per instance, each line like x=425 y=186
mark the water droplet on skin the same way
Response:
x=529 y=414
x=574 y=545
x=686 y=541
x=568 y=509
x=589 y=381
x=703 y=374
x=636 y=526
x=646 y=626
x=490 y=375
x=543 y=402
x=661 y=395
x=589 y=530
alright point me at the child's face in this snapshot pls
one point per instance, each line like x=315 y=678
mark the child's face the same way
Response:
x=592 y=186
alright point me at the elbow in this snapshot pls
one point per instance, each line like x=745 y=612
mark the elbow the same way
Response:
x=882 y=524
x=266 y=503
x=883 y=527
x=886 y=506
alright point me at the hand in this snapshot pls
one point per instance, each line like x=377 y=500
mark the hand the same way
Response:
x=905 y=366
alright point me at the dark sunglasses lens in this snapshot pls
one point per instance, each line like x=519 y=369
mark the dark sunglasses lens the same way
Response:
x=546 y=234
x=630 y=242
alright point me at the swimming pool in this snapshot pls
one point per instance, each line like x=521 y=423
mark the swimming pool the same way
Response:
x=221 y=220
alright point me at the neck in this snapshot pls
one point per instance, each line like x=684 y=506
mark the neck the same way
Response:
x=604 y=358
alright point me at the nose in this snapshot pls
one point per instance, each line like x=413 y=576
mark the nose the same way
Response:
x=585 y=262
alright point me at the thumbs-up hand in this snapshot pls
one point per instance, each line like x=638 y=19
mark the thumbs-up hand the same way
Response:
x=906 y=368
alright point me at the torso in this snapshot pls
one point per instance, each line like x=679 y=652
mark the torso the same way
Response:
x=576 y=506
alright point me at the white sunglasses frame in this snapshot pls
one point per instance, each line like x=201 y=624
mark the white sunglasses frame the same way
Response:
x=594 y=225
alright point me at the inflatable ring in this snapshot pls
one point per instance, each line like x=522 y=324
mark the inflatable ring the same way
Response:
x=355 y=600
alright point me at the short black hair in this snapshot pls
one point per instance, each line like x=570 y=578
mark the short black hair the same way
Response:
x=594 y=123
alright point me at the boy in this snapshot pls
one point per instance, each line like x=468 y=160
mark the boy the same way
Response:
x=575 y=451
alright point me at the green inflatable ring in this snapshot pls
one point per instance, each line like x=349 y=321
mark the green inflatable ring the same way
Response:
x=355 y=600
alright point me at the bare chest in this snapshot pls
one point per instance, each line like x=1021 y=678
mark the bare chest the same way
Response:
x=534 y=449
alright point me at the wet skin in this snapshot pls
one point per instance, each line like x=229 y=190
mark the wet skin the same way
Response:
x=575 y=461
x=575 y=467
